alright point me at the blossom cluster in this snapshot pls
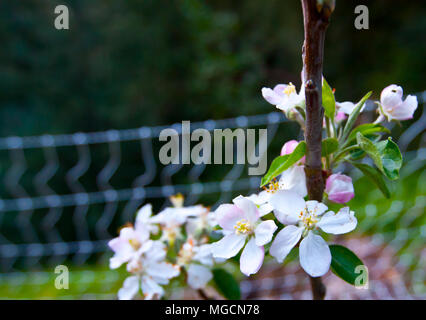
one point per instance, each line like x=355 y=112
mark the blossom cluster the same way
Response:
x=177 y=241
x=163 y=246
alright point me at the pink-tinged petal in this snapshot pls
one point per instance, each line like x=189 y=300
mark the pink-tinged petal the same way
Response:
x=151 y=289
x=252 y=258
x=406 y=109
x=198 y=276
x=118 y=244
x=228 y=215
x=314 y=254
x=228 y=246
x=279 y=89
x=338 y=223
x=285 y=240
x=339 y=188
x=391 y=97
x=264 y=232
x=251 y=213
x=271 y=96
x=287 y=205
x=130 y=288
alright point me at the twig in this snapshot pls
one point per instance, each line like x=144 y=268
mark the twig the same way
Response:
x=315 y=20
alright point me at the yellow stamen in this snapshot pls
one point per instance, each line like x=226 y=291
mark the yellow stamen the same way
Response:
x=273 y=186
x=290 y=89
x=242 y=227
x=135 y=244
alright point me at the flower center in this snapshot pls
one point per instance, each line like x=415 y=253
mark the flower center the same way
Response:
x=273 y=186
x=309 y=220
x=289 y=89
x=186 y=253
x=135 y=244
x=243 y=227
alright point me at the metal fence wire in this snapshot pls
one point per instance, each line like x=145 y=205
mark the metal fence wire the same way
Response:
x=62 y=197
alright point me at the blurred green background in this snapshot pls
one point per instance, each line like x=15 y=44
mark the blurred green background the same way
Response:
x=127 y=64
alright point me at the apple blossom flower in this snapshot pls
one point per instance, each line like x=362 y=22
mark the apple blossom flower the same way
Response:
x=204 y=222
x=241 y=223
x=150 y=271
x=393 y=107
x=339 y=188
x=307 y=216
x=284 y=96
x=171 y=219
x=196 y=259
x=292 y=179
x=127 y=244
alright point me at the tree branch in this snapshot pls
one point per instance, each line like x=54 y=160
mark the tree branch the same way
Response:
x=315 y=18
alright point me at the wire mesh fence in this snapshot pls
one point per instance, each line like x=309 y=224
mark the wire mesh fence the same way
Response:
x=62 y=197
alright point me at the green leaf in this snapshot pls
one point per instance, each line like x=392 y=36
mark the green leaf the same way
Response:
x=375 y=176
x=353 y=116
x=391 y=158
x=385 y=154
x=226 y=284
x=370 y=149
x=328 y=101
x=282 y=163
x=344 y=263
x=366 y=129
x=329 y=146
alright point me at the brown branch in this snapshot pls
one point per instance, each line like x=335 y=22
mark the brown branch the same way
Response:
x=315 y=20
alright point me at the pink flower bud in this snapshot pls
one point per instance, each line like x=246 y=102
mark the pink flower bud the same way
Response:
x=289 y=147
x=339 y=188
x=340 y=116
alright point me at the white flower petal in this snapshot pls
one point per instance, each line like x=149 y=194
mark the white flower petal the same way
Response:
x=248 y=207
x=315 y=207
x=264 y=232
x=204 y=254
x=285 y=240
x=314 y=254
x=157 y=252
x=144 y=213
x=271 y=96
x=252 y=258
x=287 y=205
x=264 y=209
x=198 y=276
x=294 y=179
x=228 y=246
x=130 y=288
x=150 y=288
x=228 y=215
x=163 y=270
x=338 y=223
